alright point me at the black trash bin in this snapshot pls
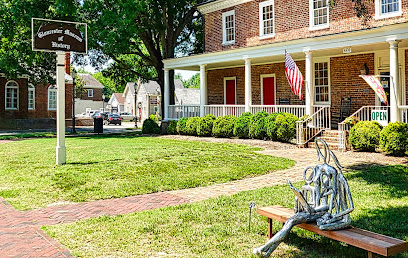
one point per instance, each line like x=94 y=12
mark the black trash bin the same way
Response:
x=98 y=125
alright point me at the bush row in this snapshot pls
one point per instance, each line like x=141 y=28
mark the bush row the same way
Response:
x=276 y=126
x=371 y=136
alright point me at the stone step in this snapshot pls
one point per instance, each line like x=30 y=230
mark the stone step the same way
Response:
x=332 y=146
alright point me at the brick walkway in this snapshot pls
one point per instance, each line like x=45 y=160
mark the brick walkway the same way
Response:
x=21 y=236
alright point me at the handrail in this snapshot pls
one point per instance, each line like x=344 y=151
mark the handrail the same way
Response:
x=404 y=113
x=307 y=129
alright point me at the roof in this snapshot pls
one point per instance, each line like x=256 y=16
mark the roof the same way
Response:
x=187 y=96
x=130 y=86
x=153 y=88
x=90 y=81
x=201 y=2
x=119 y=97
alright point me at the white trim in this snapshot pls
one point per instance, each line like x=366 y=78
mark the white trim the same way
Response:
x=224 y=29
x=311 y=17
x=225 y=88
x=18 y=95
x=31 y=88
x=52 y=88
x=341 y=40
x=322 y=60
x=219 y=5
x=261 y=20
x=274 y=86
x=379 y=15
x=89 y=93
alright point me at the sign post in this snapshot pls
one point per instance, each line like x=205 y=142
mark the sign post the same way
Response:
x=59 y=37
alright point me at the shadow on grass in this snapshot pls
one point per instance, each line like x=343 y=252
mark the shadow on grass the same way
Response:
x=92 y=162
x=394 y=177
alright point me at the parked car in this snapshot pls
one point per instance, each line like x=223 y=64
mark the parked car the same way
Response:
x=113 y=119
x=100 y=114
x=127 y=116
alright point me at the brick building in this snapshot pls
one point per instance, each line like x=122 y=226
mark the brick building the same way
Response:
x=243 y=66
x=27 y=106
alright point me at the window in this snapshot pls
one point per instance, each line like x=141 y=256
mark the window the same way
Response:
x=11 y=95
x=321 y=80
x=266 y=19
x=31 y=97
x=90 y=93
x=387 y=8
x=319 y=14
x=228 y=27
x=52 y=98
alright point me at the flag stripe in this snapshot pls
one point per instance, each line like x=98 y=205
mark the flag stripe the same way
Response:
x=294 y=76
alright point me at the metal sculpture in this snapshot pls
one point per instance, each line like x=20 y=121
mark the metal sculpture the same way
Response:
x=324 y=199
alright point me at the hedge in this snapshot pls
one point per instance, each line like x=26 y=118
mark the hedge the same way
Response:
x=150 y=126
x=172 y=128
x=205 y=125
x=257 y=128
x=181 y=125
x=224 y=126
x=365 y=135
x=394 y=138
x=285 y=124
x=241 y=127
x=271 y=127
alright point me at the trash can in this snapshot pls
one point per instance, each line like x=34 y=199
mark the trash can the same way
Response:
x=98 y=125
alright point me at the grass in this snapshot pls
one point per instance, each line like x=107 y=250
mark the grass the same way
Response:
x=54 y=134
x=101 y=167
x=219 y=227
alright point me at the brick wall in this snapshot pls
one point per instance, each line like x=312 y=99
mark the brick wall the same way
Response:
x=41 y=102
x=215 y=81
x=291 y=22
x=97 y=95
x=344 y=80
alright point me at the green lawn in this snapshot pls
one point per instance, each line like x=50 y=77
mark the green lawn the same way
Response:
x=219 y=227
x=117 y=166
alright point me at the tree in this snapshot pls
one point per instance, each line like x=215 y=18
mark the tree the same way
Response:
x=138 y=35
x=16 y=56
x=193 y=82
x=110 y=85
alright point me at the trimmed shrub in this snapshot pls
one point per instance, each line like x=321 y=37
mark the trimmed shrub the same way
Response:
x=365 y=135
x=241 y=127
x=191 y=125
x=224 y=126
x=205 y=125
x=285 y=124
x=257 y=128
x=271 y=127
x=181 y=125
x=172 y=128
x=150 y=126
x=394 y=138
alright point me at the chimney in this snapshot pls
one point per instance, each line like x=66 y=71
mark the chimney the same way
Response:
x=68 y=63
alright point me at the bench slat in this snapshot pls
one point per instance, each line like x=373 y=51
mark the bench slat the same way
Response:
x=363 y=239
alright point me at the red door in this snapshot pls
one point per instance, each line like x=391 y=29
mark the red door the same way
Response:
x=268 y=90
x=230 y=92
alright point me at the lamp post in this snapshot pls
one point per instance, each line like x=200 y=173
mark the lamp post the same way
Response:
x=73 y=74
x=103 y=103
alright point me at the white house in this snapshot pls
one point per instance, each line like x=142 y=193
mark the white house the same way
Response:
x=116 y=103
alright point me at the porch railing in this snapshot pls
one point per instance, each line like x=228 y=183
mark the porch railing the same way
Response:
x=179 y=111
x=223 y=110
x=297 y=110
x=313 y=125
x=404 y=113
x=363 y=114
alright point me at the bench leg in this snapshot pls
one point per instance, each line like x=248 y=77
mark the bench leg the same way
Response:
x=371 y=254
x=270 y=232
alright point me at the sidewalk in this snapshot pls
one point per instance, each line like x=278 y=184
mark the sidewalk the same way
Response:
x=20 y=233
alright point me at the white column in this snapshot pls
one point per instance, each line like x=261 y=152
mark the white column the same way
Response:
x=203 y=89
x=61 y=151
x=395 y=91
x=309 y=83
x=248 y=84
x=166 y=93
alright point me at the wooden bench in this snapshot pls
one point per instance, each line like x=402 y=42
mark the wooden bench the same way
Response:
x=372 y=242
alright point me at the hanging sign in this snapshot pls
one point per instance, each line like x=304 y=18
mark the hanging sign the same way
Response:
x=380 y=116
x=49 y=35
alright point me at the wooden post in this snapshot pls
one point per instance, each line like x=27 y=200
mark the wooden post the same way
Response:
x=371 y=254
x=270 y=228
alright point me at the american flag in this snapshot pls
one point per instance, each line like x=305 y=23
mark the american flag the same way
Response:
x=294 y=76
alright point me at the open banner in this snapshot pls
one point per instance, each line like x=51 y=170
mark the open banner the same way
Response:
x=375 y=84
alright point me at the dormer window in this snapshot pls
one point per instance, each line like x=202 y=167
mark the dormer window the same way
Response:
x=267 y=19
x=319 y=14
x=387 y=8
x=228 y=27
